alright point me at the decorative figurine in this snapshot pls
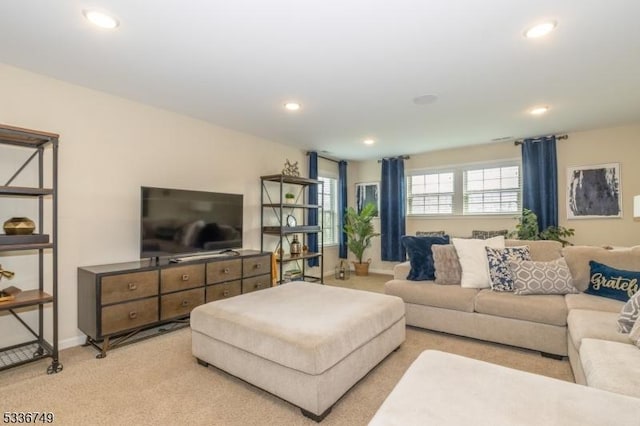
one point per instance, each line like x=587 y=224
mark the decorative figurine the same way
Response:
x=291 y=169
x=5 y=273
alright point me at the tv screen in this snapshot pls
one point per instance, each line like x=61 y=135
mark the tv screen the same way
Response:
x=176 y=221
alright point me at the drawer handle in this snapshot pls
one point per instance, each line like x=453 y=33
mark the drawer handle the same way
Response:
x=259 y=285
x=185 y=277
x=225 y=270
x=133 y=286
x=185 y=303
x=258 y=265
x=133 y=315
x=225 y=293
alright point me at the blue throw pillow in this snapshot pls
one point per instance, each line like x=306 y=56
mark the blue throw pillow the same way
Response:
x=613 y=283
x=499 y=270
x=421 y=257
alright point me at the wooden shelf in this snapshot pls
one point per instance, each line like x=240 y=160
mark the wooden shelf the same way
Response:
x=293 y=206
x=11 y=135
x=305 y=229
x=289 y=258
x=16 y=247
x=27 y=298
x=291 y=179
x=24 y=191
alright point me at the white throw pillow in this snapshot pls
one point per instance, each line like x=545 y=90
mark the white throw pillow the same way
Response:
x=635 y=334
x=473 y=260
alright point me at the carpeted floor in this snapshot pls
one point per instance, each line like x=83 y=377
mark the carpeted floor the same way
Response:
x=157 y=381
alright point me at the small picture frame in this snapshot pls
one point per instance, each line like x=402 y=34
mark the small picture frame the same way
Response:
x=594 y=192
x=368 y=192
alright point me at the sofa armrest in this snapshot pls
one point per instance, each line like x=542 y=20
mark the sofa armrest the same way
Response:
x=401 y=270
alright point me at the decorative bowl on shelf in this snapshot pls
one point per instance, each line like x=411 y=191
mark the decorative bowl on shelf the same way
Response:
x=19 y=226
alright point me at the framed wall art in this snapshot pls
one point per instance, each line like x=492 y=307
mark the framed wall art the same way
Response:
x=594 y=192
x=368 y=192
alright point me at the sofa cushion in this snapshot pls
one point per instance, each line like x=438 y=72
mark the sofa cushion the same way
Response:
x=500 y=275
x=611 y=366
x=593 y=303
x=583 y=324
x=607 y=281
x=545 y=309
x=430 y=233
x=541 y=250
x=629 y=314
x=483 y=235
x=578 y=258
x=421 y=257
x=447 y=264
x=431 y=294
x=530 y=277
x=473 y=260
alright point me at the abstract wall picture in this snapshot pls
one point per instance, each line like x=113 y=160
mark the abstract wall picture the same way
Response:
x=367 y=193
x=594 y=192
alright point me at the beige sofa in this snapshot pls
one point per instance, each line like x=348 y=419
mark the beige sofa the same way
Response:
x=533 y=322
x=582 y=326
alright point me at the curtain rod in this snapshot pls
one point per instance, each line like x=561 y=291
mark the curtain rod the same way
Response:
x=325 y=158
x=558 y=137
x=402 y=157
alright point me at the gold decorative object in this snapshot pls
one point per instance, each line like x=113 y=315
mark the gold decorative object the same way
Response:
x=5 y=273
x=19 y=226
x=291 y=169
x=295 y=246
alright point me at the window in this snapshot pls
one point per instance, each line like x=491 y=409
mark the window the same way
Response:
x=466 y=190
x=328 y=195
x=492 y=190
x=431 y=193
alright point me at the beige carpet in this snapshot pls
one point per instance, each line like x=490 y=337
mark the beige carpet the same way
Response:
x=157 y=381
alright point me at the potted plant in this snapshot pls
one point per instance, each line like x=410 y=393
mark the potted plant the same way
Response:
x=359 y=230
x=289 y=198
x=527 y=229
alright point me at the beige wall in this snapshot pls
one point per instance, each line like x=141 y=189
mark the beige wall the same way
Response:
x=109 y=147
x=619 y=144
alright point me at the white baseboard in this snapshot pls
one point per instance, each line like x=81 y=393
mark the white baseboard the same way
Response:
x=71 y=342
x=382 y=271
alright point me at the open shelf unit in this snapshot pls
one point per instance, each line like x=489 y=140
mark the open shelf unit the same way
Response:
x=276 y=230
x=33 y=245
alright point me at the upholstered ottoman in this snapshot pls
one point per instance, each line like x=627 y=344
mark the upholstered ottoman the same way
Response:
x=444 y=389
x=306 y=343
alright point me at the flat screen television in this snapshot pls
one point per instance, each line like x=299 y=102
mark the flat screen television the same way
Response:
x=178 y=222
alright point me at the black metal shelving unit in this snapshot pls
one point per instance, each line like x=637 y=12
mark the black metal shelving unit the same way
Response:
x=35 y=298
x=278 y=232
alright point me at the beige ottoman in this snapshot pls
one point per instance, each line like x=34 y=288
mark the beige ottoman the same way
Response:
x=306 y=343
x=444 y=389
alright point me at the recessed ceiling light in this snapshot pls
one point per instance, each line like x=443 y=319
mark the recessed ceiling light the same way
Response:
x=425 y=99
x=540 y=30
x=101 y=19
x=539 y=110
x=292 y=106
x=368 y=141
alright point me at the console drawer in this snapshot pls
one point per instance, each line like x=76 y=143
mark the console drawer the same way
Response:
x=130 y=315
x=180 y=304
x=256 y=265
x=223 y=291
x=122 y=287
x=224 y=270
x=181 y=278
x=256 y=283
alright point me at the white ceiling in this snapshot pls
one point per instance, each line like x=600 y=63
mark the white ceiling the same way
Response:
x=355 y=65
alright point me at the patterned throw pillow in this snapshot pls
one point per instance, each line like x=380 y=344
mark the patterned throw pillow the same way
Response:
x=530 y=277
x=629 y=314
x=635 y=334
x=430 y=234
x=421 y=257
x=499 y=270
x=483 y=235
x=613 y=283
x=447 y=264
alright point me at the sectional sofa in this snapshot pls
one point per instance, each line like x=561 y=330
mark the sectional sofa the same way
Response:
x=580 y=326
